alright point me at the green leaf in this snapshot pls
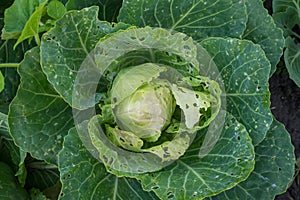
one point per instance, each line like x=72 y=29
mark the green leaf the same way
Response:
x=274 y=168
x=292 y=60
x=287 y=20
x=82 y=30
x=38 y=117
x=31 y=28
x=10 y=189
x=16 y=17
x=10 y=153
x=109 y=9
x=11 y=77
x=36 y=194
x=1 y=82
x=199 y=19
x=244 y=70
x=262 y=30
x=194 y=177
x=283 y=5
x=84 y=177
x=56 y=9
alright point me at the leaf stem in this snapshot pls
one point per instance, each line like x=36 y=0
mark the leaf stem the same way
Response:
x=2 y=65
x=37 y=39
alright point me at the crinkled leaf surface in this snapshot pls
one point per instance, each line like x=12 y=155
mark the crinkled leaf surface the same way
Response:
x=84 y=177
x=9 y=187
x=274 y=168
x=193 y=177
x=198 y=19
x=76 y=33
x=244 y=69
x=16 y=17
x=38 y=117
x=262 y=30
x=292 y=60
x=109 y=9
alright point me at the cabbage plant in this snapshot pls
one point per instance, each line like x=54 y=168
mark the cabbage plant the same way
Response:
x=146 y=100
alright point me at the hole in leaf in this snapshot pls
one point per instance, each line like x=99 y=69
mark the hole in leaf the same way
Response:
x=238 y=138
x=279 y=169
x=155 y=187
x=122 y=140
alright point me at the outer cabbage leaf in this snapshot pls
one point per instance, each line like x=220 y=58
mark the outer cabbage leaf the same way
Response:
x=198 y=19
x=81 y=31
x=38 y=116
x=109 y=9
x=292 y=60
x=244 y=70
x=274 y=168
x=194 y=177
x=10 y=189
x=262 y=30
x=84 y=177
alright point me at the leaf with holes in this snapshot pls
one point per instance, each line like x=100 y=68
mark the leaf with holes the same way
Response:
x=57 y=50
x=276 y=152
x=83 y=176
x=38 y=117
x=199 y=19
